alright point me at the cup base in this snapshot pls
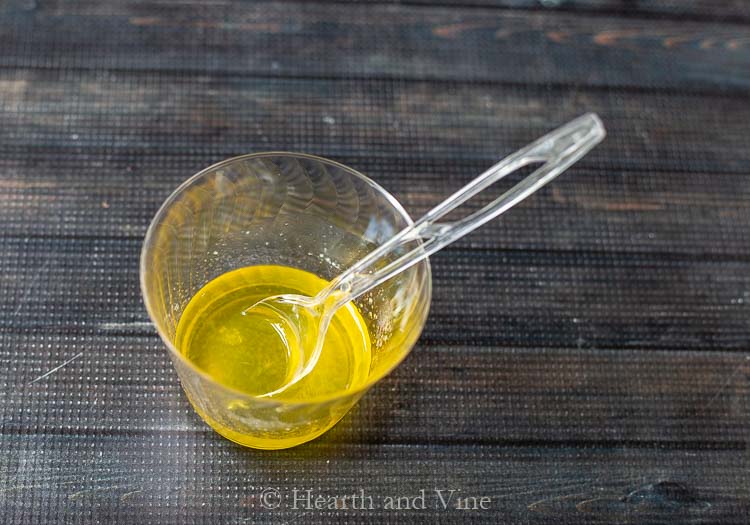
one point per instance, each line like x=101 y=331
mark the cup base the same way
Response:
x=261 y=443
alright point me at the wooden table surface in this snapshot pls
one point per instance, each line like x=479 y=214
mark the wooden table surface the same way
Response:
x=587 y=357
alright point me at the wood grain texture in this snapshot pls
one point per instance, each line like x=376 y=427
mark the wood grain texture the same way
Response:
x=551 y=436
x=443 y=394
x=587 y=357
x=375 y=41
x=732 y=11
x=155 y=480
x=726 y=11
x=508 y=298
x=669 y=176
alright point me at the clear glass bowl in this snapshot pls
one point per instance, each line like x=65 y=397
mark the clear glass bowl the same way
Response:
x=285 y=209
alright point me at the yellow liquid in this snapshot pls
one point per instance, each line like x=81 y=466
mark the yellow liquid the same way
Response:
x=246 y=352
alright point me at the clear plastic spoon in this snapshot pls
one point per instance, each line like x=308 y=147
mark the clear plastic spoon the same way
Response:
x=309 y=317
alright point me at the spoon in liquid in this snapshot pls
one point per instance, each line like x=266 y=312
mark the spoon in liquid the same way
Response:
x=309 y=317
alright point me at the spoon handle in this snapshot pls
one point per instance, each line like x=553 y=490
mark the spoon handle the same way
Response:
x=557 y=151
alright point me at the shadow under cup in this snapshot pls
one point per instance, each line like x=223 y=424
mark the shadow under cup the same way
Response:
x=284 y=209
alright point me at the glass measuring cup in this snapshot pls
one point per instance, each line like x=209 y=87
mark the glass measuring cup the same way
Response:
x=284 y=209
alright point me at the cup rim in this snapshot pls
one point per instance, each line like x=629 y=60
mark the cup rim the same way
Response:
x=262 y=400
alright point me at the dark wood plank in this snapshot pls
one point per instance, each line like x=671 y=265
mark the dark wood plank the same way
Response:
x=702 y=10
x=152 y=478
x=442 y=394
x=726 y=11
x=155 y=114
x=375 y=40
x=668 y=179
x=508 y=298
x=551 y=436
